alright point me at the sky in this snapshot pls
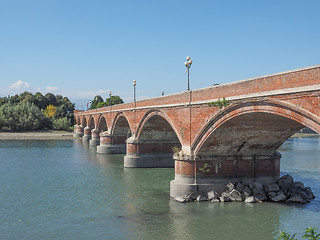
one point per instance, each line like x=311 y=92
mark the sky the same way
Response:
x=82 y=48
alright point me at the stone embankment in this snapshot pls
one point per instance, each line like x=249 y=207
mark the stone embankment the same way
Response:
x=286 y=190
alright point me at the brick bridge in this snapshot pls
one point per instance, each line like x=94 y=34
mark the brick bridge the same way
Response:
x=209 y=145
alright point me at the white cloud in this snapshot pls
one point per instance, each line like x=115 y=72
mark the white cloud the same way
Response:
x=52 y=89
x=20 y=85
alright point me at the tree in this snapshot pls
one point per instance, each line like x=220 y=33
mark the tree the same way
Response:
x=113 y=100
x=50 y=111
x=51 y=98
x=20 y=116
x=41 y=101
x=97 y=99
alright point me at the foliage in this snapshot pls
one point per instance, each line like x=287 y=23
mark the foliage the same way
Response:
x=50 y=108
x=61 y=123
x=219 y=103
x=206 y=168
x=98 y=101
x=310 y=233
x=20 y=116
x=50 y=111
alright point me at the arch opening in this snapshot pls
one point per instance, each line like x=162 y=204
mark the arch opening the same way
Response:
x=84 y=121
x=255 y=133
x=91 y=124
x=102 y=124
x=121 y=130
x=157 y=136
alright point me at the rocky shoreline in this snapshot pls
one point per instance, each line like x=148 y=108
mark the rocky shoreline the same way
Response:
x=285 y=190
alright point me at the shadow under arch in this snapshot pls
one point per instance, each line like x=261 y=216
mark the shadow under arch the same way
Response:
x=152 y=145
x=121 y=128
x=84 y=121
x=255 y=127
x=91 y=124
x=102 y=124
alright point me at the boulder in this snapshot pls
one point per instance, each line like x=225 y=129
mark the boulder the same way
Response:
x=279 y=198
x=224 y=199
x=225 y=194
x=180 y=199
x=247 y=192
x=259 y=194
x=240 y=187
x=230 y=186
x=235 y=195
x=298 y=185
x=250 y=199
x=285 y=182
x=254 y=185
x=201 y=198
x=271 y=188
x=215 y=200
x=271 y=195
x=212 y=195
x=309 y=192
x=296 y=199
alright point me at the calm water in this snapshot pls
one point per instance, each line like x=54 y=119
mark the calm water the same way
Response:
x=64 y=190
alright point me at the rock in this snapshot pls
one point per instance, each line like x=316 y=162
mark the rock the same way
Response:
x=285 y=182
x=235 y=195
x=230 y=186
x=212 y=195
x=298 y=185
x=279 y=198
x=247 y=192
x=259 y=194
x=180 y=199
x=305 y=196
x=201 y=198
x=254 y=185
x=296 y=199
x=279 y=192
x=215 y=200
x=271 y=195
x=250 y=199
x=240 y=187
x=309 y=192
x=224 y=199
x=271 y=188
x=225 y=194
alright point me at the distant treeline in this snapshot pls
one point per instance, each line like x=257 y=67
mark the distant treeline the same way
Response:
x=31 y=112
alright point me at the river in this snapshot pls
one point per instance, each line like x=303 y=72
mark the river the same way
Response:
x=65 y=190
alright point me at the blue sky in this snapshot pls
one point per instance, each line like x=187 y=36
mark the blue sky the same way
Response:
x=83 y=48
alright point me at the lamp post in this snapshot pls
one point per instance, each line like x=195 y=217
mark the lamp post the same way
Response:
x=110 y=93
x=134 y=90
x=188 y=65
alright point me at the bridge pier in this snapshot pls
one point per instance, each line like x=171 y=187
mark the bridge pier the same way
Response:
x=95 y=137
x=87 y=134
x=107 y=144
x=78 y=131
x=140 y=155
x=200 y=176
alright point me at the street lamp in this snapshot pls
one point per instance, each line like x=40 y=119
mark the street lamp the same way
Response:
x=110 y=100
x=134 y=90
x=188 y=65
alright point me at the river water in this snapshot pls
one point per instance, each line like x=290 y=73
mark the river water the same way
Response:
x=65 y=190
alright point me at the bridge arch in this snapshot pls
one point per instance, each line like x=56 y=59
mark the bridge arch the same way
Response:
x=121 y=128
x=252 y=127
x=102 y=123
x=91 y=123
x=84 y=121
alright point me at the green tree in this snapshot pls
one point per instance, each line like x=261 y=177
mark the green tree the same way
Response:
x=97 y=99
x=51 y=99
x=113 y=100
x=20 y=116
x=41 y=101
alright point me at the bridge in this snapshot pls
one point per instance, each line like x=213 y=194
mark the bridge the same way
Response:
x=210 y=145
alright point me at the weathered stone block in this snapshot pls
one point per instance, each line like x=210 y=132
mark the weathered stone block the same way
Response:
x=279 y=198
x=250 y=199
x=235 y=195
x=212 y=195
x=271 y=188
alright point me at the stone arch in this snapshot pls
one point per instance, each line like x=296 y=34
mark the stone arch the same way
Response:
x=102 y=123
x=91 y=123
x=156 y=133
x=78 y=120
x=84 y=121
x=252 y=127
x=121 y=128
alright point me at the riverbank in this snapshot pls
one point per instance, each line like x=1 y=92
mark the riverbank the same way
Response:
x=37 y=135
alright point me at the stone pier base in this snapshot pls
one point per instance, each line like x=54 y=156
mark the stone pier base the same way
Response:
x=111 y=149
x=148 y=161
